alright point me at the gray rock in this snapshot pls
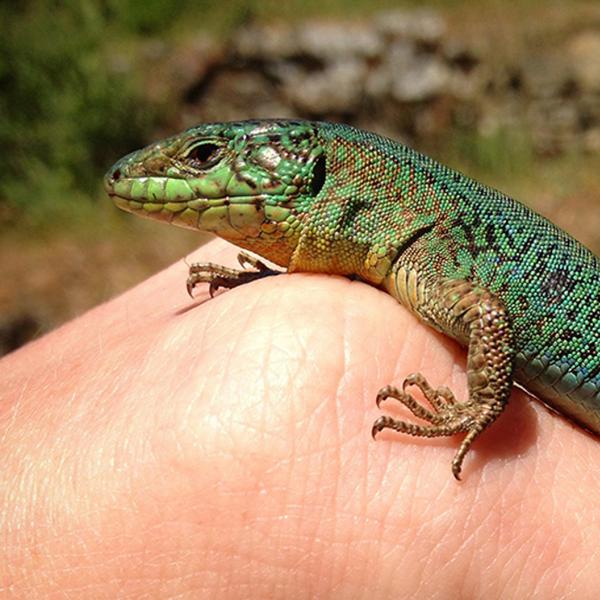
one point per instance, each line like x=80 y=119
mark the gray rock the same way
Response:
x=264 y=42
x=546 y=75
x=424 y=25
x=553 y=124
x=400 y=72
x=237 y=94
x=337 y=89
x=591 y=140
x=336 y=41
x=408 y=75
x=584 y=52
x=422 y=80
x=322 y=40
x=170 y=71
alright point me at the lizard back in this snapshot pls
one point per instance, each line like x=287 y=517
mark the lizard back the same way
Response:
x=548 y=281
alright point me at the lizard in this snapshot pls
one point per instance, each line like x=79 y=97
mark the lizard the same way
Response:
x=520 y=294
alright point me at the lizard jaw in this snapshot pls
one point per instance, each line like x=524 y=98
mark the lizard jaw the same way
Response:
x=236 y=218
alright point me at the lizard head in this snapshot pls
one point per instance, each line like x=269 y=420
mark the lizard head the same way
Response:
x=250 y=182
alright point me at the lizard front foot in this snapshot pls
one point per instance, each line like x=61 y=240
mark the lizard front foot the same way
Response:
x=446 y=417
x=218 y=276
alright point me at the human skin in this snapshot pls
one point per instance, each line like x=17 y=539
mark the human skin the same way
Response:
x=160 y=446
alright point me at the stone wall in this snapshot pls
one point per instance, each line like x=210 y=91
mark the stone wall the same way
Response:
x=401 y=73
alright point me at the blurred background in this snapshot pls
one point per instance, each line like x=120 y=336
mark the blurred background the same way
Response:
x=508 y=92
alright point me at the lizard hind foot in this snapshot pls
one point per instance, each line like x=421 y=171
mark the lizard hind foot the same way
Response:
x=446 y=417
x=440 y=399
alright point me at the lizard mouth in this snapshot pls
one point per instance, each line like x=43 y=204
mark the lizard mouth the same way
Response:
x=157 y=193
x=173 y=201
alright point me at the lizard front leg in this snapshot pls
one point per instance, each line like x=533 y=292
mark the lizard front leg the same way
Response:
x=474 y=316
x=219 y=276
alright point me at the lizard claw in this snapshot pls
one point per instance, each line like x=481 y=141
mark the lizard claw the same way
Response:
x=190 y=288
x=383 y=394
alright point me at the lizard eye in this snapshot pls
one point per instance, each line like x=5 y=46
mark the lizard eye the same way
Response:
x=203 y=155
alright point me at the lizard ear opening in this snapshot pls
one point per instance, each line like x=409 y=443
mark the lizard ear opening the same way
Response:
x=318 y=175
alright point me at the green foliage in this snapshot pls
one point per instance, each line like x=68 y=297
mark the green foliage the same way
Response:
x=145 y=16
x=66 y=110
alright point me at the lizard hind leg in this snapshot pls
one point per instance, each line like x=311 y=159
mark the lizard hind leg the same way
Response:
x=474 y=315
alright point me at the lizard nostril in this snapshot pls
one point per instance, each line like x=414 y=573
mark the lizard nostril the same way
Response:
x=116 y=175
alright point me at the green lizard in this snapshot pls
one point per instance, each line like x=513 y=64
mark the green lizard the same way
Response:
x=519 y=293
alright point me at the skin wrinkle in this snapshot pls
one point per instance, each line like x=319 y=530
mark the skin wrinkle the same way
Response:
x=266 y=395
x=220 y=383
x=287 y=364
x=289 y=438
x=313 y=335
x=445 y=549
x=576 y=577
x=338 y=384
x=207 y=336
x=360 y=493
x=313 y=417
x=327 y=573
x=293 y=450
x=539 y=547
x=350 y=364
x=489 y=550
x=330 y=528
x=495 y=532
x=313 y=532
x=268 y=365
x=520 y=572
x=468 y=536
x=13 y=410
x=553 y=574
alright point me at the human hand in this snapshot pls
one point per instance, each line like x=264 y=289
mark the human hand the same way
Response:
x=160 y=446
